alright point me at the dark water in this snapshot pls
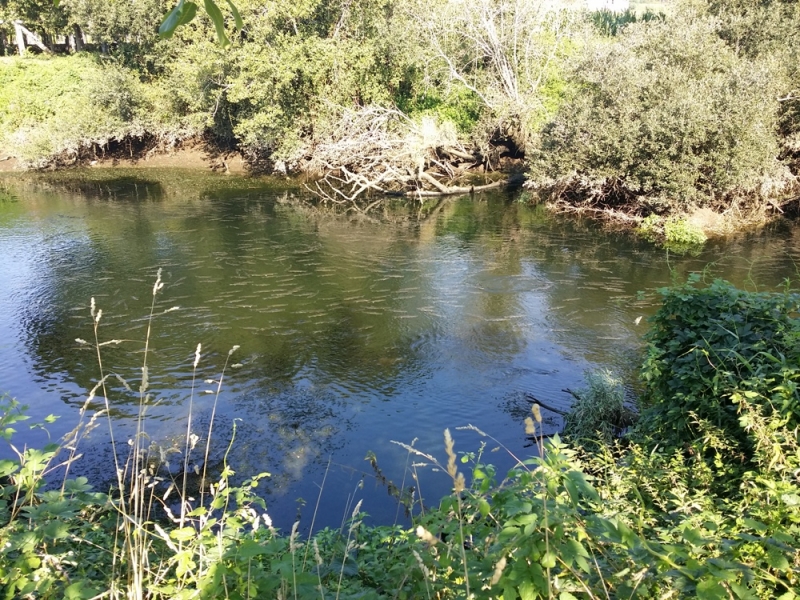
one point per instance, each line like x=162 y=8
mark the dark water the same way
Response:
x=352 y=331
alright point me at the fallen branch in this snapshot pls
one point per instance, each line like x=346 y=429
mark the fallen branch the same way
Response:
x=535 y=400
x=383 y=151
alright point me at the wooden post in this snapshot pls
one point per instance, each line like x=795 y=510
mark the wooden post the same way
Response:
x=21 y=31
x=20 y=36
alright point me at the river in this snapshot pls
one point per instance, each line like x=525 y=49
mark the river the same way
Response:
x=353 y=331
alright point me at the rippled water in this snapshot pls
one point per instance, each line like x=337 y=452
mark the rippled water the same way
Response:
x=352 y=331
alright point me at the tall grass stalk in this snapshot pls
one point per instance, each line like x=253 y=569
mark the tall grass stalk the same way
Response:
x=458 y=487
x=347 y=546
x=314 y=516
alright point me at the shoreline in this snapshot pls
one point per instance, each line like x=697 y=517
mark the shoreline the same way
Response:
x=189 y=155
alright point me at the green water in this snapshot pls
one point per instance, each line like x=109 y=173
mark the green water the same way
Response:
x=353 y=330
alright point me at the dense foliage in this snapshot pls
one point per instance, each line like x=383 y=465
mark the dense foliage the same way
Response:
x=671 y=113
x=700 y=499
x=57 y=110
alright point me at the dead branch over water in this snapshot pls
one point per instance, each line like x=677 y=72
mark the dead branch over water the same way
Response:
x=374 y=150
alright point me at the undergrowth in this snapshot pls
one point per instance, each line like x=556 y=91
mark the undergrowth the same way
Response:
x=700 y=499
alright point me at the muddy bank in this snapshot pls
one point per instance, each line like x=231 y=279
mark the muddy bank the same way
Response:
x=192 y=155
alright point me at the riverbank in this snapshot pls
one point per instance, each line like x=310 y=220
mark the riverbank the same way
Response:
x=192 y=154
x=606 y=114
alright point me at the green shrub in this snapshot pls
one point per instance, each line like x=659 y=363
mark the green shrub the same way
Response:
x=709 y=346
x=668 y=114
x=54 y=110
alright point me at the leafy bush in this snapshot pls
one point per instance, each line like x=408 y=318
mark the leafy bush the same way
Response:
x=56 y=110
x=709 y=346
x=676 y=234
x=670 y=114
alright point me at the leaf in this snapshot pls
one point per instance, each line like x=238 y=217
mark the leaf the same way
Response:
x=693 y=536
x=219 y=22
x=236 y=16
x=171 y=21
x=483 y=507
x=585 y=488
x=755 y=525
x=249 y=549
x=55 y=530
x=527 y=591
x=183 y=534
x=777 y=560
x=791 y=499
x=188 y=13
x=710 y=589
x=7 y=467
x=78 y=591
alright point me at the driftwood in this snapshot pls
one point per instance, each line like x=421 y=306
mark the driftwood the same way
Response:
x=375 y=150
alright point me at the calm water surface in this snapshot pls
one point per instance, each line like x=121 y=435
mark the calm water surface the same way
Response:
x=352 y=332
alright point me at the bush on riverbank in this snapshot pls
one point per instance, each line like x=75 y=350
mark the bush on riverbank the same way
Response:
x=701 y=504
x=56 y=111
x=667 y=117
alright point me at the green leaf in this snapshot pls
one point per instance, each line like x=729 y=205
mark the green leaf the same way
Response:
x=710 y=589
x=236 y=16
x=7 y=467
x=219 y=22
x=693 y=536
x=777 y=560
x=55 y=530
x=188 y=13
x=527 y=591
x=791 y=499
x=249 y=549
x=79 y=591
x=183 y=534
x=740 y=590
x=755 y=525
x=483 y=507
x=171 y=21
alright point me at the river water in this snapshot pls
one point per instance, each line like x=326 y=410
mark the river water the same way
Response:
x=353 y=331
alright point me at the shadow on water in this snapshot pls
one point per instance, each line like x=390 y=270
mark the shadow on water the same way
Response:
x=353 y=330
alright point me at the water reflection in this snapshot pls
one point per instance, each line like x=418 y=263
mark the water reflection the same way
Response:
x=353 y=331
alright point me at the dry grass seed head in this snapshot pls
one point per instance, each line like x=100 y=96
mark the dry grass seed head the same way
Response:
x=426 y=536
x=451 y=455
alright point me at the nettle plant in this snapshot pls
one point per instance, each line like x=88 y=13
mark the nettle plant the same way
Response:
x=712 y=345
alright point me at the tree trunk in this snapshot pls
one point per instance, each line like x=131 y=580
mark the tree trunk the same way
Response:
x=77 y=38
